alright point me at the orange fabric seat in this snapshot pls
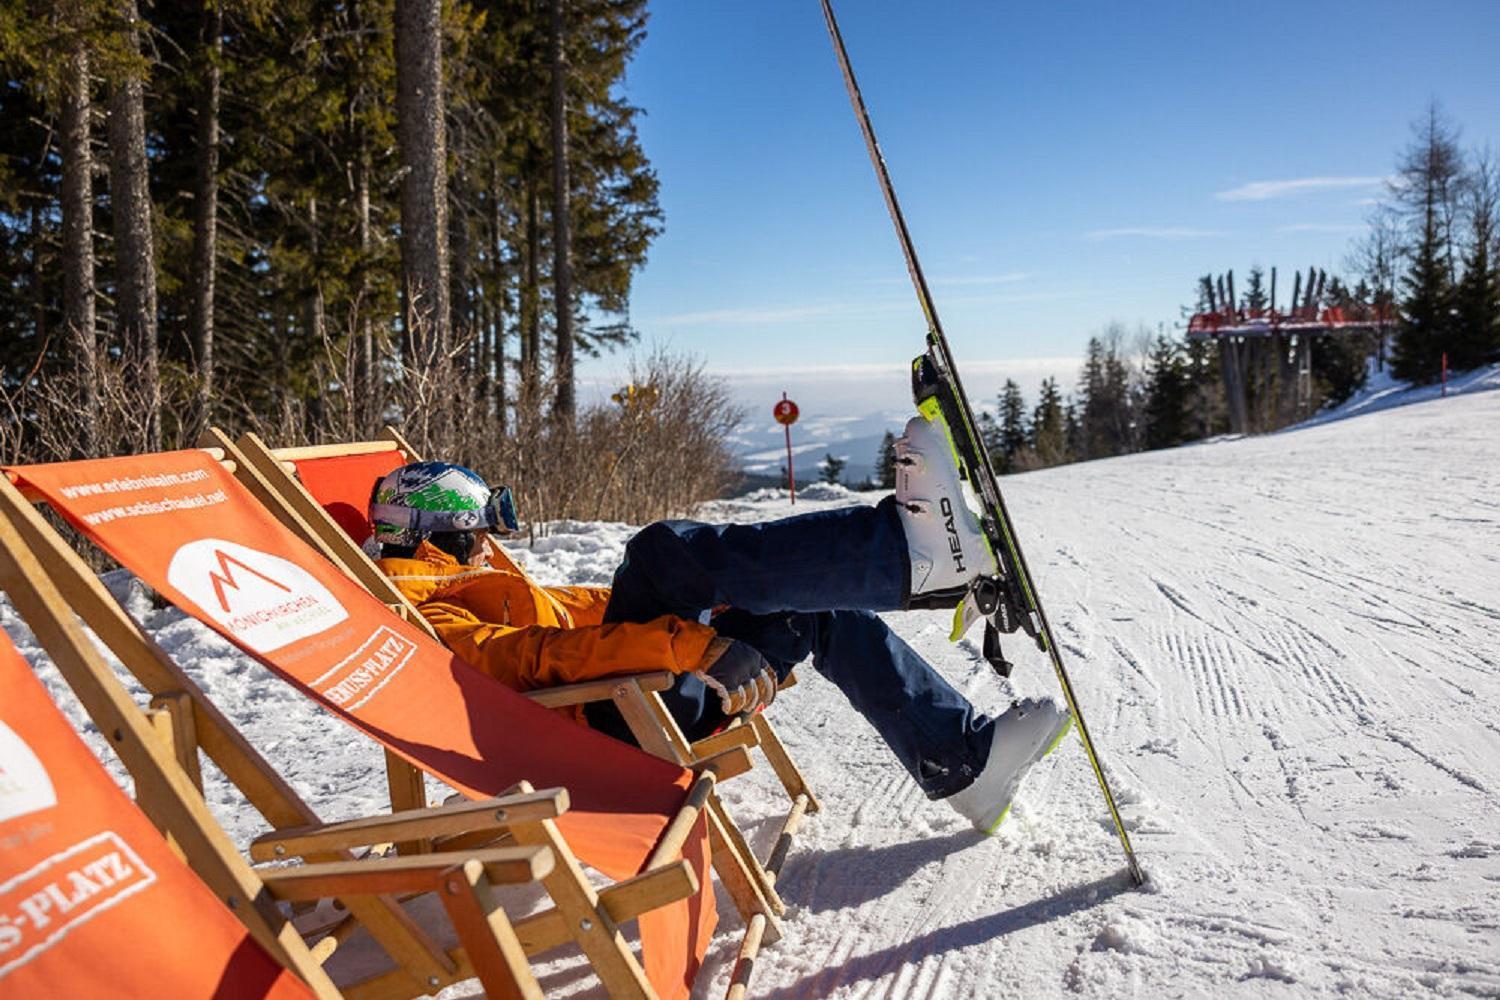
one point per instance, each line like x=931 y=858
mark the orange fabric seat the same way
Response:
x=343 y=485
x=93 y=902
x=183 y=524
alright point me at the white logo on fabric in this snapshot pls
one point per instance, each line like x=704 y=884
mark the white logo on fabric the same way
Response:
x=40 y=906
x=24 y=784
x=263 y=600
x=359 y=676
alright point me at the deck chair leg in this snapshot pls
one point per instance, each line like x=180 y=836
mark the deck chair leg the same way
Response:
x=764 y=883
x=781 y=762
x=657 y=733
x=408 y=790
x=487 y=935
x=734 y=865
x=593 y=930
x=744 y=963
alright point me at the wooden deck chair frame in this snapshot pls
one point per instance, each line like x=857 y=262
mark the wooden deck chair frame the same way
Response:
x=580 y=913
x=750 y=885
x=636 y=695
x=463 y=880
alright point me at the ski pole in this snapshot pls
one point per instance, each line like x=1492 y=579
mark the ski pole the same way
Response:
x=984 y=473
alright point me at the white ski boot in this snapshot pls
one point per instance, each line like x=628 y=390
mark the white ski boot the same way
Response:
x=1029 y=731
x=943 y=538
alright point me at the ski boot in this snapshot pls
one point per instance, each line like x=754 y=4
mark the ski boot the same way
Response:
x=947 y=547
x=1026 y=733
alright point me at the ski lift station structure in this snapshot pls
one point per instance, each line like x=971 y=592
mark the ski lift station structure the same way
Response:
x=1263 y=344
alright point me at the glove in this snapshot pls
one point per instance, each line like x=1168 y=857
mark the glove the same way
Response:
x=736 y=671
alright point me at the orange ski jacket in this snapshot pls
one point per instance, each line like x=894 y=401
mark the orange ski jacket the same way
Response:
x=527 y=636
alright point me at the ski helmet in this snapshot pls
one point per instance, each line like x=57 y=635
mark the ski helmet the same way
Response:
x=425 y=498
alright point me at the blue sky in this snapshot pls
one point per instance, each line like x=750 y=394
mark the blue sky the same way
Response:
x=1061 y=165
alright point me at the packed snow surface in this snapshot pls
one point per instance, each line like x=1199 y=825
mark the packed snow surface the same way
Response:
x=1286 y=649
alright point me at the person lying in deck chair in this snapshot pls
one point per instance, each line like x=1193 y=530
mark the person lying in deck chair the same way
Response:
x=730 y=609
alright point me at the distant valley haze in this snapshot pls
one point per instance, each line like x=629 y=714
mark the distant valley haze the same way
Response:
x=845 y=409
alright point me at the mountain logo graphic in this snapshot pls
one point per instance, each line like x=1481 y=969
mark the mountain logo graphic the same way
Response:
x=25 y=786
x=263 y=600
x=225 y=579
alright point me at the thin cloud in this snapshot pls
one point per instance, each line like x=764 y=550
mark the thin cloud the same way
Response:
x=1321 y=227
x=1152 y=233
x=1266 y=190
x=1008 y=278
x=777 y=315
x=896 y=368
x=771 y=316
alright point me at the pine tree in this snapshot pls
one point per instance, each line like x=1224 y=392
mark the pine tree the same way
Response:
x=1477 y=298
x=1338 y=362
x=885 y=462
x=832 y=468
x=989 y=437
x=1256 y=300
x=1073 y=433
x=272 y=187
x=1049 y=433
x=1208 y=413
x=1091 y=392
x=1168 y=389
x=1431 y=169
x=1107 y=424
x=1012 y=426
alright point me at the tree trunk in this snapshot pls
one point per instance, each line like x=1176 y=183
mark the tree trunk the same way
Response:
x=562 y=253
x=364 y=357
x=316 y=319
x=461 y=270
x=38 y=285
x=315 y=324
x=420 y=134
x=206 y=217
x=135 y=255
x=531 y=306
x=497 y=312
x=78 y=246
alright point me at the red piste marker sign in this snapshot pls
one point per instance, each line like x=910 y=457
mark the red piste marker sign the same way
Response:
x=786 y=413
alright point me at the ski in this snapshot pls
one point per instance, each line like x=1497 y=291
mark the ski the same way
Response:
x=1007 y=602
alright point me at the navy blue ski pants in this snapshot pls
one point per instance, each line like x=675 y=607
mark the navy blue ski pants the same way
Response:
x=805 y=586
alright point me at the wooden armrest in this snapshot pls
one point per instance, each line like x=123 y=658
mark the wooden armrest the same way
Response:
x=599 y=690
x=734 y=736
x=414 y=873
x=623 y=901
x=727 y=764
x=411 y=824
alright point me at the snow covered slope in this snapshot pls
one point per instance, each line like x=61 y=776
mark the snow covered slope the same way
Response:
x=1288 y=649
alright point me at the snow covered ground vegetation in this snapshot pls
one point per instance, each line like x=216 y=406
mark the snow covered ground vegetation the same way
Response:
x=1286 y=648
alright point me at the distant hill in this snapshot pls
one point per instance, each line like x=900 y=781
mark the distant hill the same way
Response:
x=762 y=445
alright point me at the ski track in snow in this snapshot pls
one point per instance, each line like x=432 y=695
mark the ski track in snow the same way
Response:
x=1285 y=649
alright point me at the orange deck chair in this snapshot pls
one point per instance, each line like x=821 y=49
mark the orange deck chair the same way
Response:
x=322 y=493
x=94 y=901
x=184 y=525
